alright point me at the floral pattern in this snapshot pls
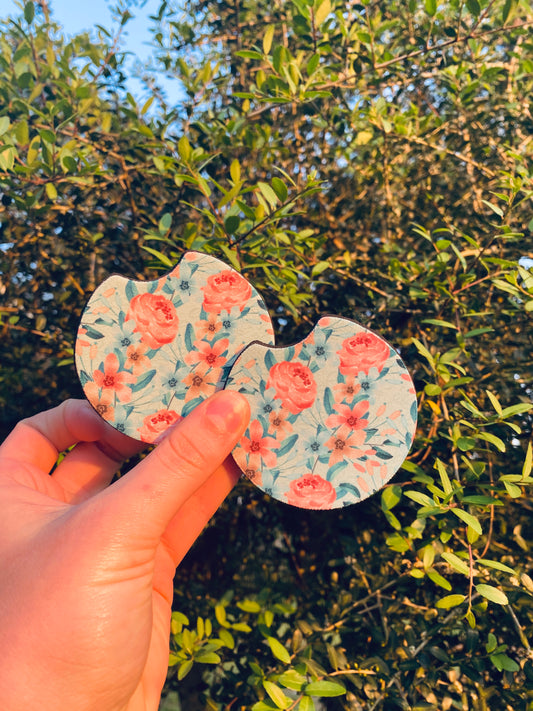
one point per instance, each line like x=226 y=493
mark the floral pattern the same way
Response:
x=147 y=353
x=333 y=417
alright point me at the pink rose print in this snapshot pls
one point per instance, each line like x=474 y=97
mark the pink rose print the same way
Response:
x=155 y=425
x=226 y=290
x=258 y=447
x=113 y=381
x=155 y=319
x=362 y=352
x=311 y=491
x=294 y=384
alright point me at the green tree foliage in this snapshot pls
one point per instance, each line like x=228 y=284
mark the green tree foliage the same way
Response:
x=372 y=160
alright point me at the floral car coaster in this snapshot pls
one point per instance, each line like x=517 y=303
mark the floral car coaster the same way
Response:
x=333 y=417
x=148 y=352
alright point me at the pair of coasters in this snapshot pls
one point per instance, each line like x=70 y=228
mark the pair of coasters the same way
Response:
x=333 y=417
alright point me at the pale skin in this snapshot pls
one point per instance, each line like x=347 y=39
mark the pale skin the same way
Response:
x=87 y=568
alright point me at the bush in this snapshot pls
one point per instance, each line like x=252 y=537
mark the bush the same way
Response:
x=366 y=160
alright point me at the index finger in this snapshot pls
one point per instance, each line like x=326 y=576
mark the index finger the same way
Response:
x=39 y=440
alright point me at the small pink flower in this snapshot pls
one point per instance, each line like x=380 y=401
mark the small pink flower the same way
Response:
x=349 y=418
x=279 y=425
x=200 y=384
x=207 y=328
x=210 y=354
x=136 y=361
x=259 y=447
x=101 y=401
x=346 y=390
x=113 y=380
x=351 y=446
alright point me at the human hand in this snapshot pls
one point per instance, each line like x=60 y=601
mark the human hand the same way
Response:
x=87 y=569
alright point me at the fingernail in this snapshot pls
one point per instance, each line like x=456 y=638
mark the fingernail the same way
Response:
x=228 y=411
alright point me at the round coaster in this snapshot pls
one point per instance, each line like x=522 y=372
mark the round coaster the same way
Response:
x=333 y=417
x=147 y=353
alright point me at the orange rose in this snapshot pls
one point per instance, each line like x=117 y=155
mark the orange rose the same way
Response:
x=154 y=426
x=155 y=319
x=311 y=491
x=226 y=290
x=294 y=384
x=362 y=352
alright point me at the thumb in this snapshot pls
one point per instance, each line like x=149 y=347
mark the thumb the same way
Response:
x=146 y=499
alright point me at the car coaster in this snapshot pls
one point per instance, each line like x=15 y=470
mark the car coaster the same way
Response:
x=333 y=417
x=147 y=353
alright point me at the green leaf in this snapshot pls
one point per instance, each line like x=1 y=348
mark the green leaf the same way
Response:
x=518 y=409
x=526 y=469
x=7 y=158
x=249 y=606
x=324 y=688
x=159 y=255
x=207 y=658
x=457 y=563
x=278 y=650
x=496 y=565
x=280 y=188
x=432 y=389
x=220 y=614
x=4 y=124
x=504 y=663
x=226 y=638
x=438 y=579
x=431 y=7
x=268 y=193
x=306 y=703
x=474 y=7
x=448 y=601
x=51 y=191
x=29 y=12
x=277 y=695
x=424 y=352
x=495 y=402
x=469 y=519
x=445 y=479
x=267 y=38
x=480 y=500
x=492 y=643
x=184 y=669
x=324 y=9
x=493 y=594
x=440 y=322
x=419 y=498
x=184 y=149
x=496 y=441
x=232 y=224
x=235 y=170
x=514 y=491
x=291 y=679
x=165 y=223
x=390 y=496
x=249 y=54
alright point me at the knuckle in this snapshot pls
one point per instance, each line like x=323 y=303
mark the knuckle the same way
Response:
x=185 y=451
